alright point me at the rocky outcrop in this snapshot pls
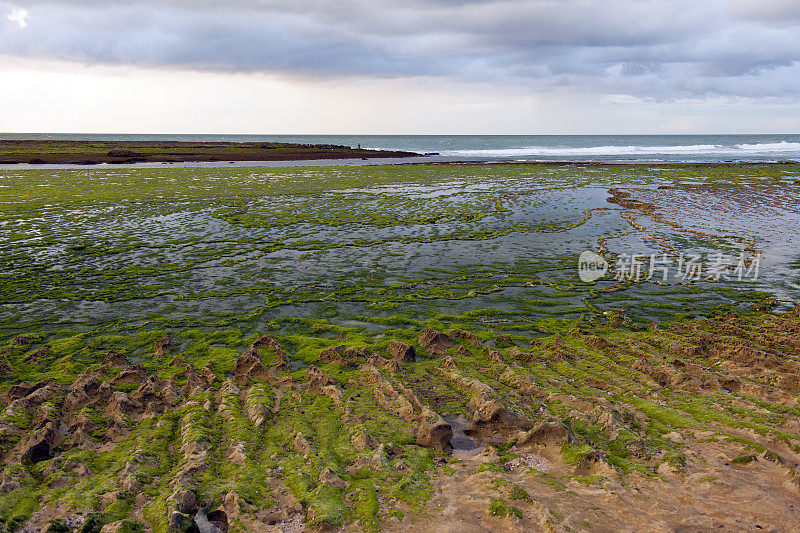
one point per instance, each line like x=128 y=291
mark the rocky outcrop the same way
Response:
x=431 y=429
x=40 y=355
x=116 y=358
x=434 y=341
x=321 y=383
x=345 y=356
x=402 y=352
x=546 y=433
x=134 y=374
x=249 y=367
x=282 y=361
x=163 y=346
x=490 y=414
x=465 y=336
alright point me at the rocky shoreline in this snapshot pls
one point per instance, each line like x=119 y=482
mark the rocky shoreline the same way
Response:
x=692 y=425
x=126 y=152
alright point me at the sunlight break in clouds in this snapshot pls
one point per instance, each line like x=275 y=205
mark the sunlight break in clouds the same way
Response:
x=19 y=16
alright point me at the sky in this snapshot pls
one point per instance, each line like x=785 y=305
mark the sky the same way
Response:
x=400 y=66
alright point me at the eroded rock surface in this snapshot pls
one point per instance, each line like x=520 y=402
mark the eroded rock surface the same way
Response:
x=571 y=432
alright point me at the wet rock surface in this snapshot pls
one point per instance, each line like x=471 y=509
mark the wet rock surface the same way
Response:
x=570 y=434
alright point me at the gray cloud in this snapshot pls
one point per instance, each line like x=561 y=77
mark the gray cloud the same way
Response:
x=663 y=49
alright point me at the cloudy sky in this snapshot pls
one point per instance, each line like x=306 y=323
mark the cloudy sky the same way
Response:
x=400 y=66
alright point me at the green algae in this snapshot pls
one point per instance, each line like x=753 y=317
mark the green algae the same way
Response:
x=309 y=258
x=501 y=509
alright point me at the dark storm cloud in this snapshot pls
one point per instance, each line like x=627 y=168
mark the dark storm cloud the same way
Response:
x=661 y=49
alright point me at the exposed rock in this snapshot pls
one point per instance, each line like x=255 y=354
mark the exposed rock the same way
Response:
x=300 y=444
x=163 y=346
x=380 y=362
x=486 y=406
x=208 y=373
x=116 y=358
x=154 y=391
x=545 y=434
x=249 y=366
x=235 y=454
x=402 y=352
x=433 y=432
x=344 y=356
x=136 y=374
x=524 y=384
x=362 y=440
x=120 y=406
x=194 y=382
x=329 y=477
x=321 y=383
x=789 y=383
x=463 y=351
x=86 y=389
x=496 y=356
x=9 y=485
x=434 y=341
x=38 y=447
x=186 y=501
x=219 y=519
x=282 y=359
x=597 y=342
x=465 y=336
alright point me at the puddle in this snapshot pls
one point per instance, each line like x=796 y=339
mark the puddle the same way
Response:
x=461 y=442
x=203 y=525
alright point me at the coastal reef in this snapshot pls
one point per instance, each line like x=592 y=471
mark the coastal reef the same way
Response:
x=587 y=425
x=398 y=348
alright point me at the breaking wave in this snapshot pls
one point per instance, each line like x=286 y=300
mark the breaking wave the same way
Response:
x=789 y=149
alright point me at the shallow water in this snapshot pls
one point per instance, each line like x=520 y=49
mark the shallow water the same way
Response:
x=484 y=246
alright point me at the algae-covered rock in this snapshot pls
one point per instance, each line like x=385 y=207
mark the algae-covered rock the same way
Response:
x=57 y=525
x=465 y=336
x=181 y=523
x=123 y=526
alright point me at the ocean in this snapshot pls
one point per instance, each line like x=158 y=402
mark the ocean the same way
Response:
x=519 y=148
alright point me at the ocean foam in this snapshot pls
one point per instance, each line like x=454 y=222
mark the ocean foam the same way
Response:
x=790 y=149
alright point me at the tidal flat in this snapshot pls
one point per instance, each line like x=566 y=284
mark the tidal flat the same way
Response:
x=403 y=347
